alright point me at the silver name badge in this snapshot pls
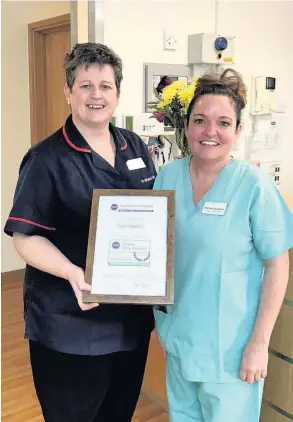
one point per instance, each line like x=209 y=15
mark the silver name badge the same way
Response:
x=214 y=208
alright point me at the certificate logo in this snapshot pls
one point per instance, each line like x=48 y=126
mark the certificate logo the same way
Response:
x=129 y=253
x=114 y=207
x=115 y=245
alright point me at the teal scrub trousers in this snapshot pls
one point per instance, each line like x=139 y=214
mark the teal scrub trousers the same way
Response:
x=208 y=401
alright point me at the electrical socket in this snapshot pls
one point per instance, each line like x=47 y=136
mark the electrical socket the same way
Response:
x=281 y=107
x=170 y=42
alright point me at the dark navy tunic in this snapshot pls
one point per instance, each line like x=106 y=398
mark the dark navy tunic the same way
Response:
x=53 y=200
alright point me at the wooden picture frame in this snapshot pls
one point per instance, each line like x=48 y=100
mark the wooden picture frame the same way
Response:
x=96 y=237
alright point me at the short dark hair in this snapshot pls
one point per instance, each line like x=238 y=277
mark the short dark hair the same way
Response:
x=90 y=53
x=230 y=86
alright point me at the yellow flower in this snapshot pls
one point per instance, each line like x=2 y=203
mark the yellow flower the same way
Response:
x=170 y=91
x=178 y=85
x=186 y=95
x=167 y=94
x=162 y=105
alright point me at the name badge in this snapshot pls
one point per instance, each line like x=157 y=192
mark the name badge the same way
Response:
x=214 y=208
x=135 y=164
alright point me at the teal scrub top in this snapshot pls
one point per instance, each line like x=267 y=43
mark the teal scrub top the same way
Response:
x=219 y=265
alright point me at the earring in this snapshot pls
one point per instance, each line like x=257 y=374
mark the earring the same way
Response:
x=68 y=102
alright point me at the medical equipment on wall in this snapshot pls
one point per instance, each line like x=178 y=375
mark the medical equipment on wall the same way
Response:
x=273 y=168
x=263 y=95
x=265 y=146
x=265 y=142
x=211 y=49
x=151 y=132
x=267 y=137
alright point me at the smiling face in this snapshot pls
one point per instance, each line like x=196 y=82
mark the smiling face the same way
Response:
x=94 y=96
x=211 y=130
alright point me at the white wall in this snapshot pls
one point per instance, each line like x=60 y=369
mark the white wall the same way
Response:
x=263 y=30
x=15 y=100
x=134 y=29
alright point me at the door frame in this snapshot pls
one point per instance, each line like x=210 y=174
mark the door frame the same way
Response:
x=37 y=71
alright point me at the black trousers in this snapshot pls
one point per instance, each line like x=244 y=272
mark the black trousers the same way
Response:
x=73 y=388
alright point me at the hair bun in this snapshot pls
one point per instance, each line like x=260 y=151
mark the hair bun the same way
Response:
x=229 y=79
x=234 y=81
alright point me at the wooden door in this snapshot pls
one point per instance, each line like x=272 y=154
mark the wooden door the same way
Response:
x=49 y=41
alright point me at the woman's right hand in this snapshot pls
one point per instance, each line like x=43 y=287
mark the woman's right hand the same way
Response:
x=75 y=276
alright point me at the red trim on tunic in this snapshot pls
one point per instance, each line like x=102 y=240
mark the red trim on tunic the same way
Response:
x=123 y=148
x=71 y=144
x=23 y=220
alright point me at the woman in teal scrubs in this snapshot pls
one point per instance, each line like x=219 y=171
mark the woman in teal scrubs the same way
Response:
x=233 y=232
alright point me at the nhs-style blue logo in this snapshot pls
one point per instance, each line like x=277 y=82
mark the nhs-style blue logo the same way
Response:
x=114 y=207
x=115 y=245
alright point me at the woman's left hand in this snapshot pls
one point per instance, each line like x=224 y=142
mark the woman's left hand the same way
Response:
x=254 y=362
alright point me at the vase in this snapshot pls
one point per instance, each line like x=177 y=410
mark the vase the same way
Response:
x=182 y=144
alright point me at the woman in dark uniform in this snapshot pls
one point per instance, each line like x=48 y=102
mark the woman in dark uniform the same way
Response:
x=87 y=360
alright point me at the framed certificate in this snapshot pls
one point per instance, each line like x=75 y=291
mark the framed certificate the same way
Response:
x=130 y=256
